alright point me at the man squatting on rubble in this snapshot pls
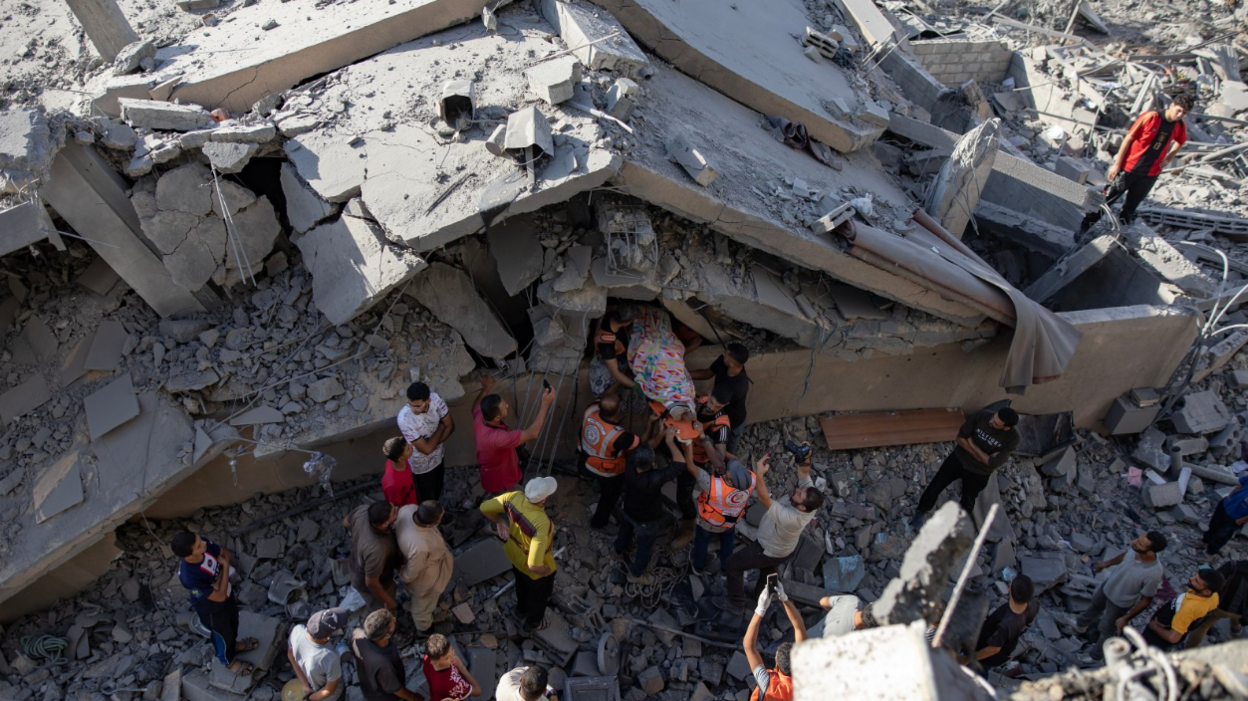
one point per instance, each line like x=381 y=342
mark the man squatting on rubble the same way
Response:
x=1127 y=592
x=1152 y=141
x=985 y=442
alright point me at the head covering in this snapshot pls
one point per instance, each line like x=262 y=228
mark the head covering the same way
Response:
x=324 y=623
x=539 y=488
x=738 y=474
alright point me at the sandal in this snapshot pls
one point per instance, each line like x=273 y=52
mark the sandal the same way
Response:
x=244 y=670
x=247 y=645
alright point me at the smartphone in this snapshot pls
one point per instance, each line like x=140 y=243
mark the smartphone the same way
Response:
x=545 y=384
x=772 y=579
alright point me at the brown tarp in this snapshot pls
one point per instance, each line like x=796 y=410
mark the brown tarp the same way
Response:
x=1043 y=342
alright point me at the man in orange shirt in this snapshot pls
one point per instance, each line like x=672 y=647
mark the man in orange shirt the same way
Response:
x=1152 y=142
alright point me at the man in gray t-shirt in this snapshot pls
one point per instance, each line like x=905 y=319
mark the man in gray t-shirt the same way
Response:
x=1127 y=592
x=313 y=657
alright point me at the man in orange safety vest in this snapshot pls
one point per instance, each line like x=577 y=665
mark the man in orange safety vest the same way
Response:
x=604 y=449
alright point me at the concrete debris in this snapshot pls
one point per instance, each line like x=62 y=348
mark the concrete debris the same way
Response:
x=621 y=98
x=26 y=148
x=458 y=101
x=928 y=563
x=553 y=81
x=528 y=129
x=304 y=207
x=691 y=159
x=450 y=295
x=1203 y=413
x=227 y=157
x=140 y=54
x=164 y=115
x=954 y=194
x=595 y=37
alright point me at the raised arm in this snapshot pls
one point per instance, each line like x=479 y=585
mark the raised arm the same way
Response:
x=760 y=471
x=535 y=429
x=701 y=374
x=487 y=386
x=750 y=642
x=795 y=618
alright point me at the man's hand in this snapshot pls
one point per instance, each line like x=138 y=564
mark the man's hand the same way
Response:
x=1112 y=172
x=1098 y=566
x=764 y=602
x=541 y=570
x=503 y=530
x=780 y=594
x=1121 y=623
x=224 y=558
x=762 y=466
x=487 y=383
x=548 y=396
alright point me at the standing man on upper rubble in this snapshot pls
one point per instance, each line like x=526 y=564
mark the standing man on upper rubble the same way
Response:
x=496 y=444
x=1127 y=592
x=729 y=371
x=609 y=370
x=779 y=533
x=604 y=449
x=426 y=423
x=985 y=442
x=1147 y=149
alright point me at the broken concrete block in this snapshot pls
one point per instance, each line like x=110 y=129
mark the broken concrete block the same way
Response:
x=528 y=128
x=1070 y=168
x=1046 y=572
x=27 y=223
x=452 y=297
x=58 y=488
x=954 y=194
x=458 y=100
x=304 y=208
x=165 y=116
x=111 y=406
x=586 y=28
x=651 y=681
x=195 y=5
x=1062 y=465
x=243 y=133
x=620 y=98
x=325 y=389
x=553 y=81
x=129 y=58
x=24 y=398
x=106 y=346
x=26 y=147
x=1150 y=450
x=482 y=560
x=229 y=157
x=257 y=229
x=516 y=252
x=1202 y=412
x=691 y=159
x=1162 y=496
x=844 y=574
x=928 y=563
x=353 y=265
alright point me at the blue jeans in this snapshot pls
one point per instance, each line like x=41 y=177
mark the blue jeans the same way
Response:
x=647 y=533
x=702 y=541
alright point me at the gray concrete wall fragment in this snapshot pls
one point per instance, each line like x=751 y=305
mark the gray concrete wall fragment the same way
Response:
x=450 y=294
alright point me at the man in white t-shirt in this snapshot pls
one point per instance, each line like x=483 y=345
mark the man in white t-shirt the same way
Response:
x=313 y=657
x=525 y=684
x=426 y=424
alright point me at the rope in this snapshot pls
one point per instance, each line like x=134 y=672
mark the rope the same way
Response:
x=43 y=647
x=651 y=595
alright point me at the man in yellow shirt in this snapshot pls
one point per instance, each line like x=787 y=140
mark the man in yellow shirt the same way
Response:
x=520 y=519
x=1171 y=622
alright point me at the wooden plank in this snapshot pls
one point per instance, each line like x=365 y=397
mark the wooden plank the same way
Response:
x=882 y=428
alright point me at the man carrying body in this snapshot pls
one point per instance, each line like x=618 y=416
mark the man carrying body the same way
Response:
x=604 y=449
x=725 y=492
x=779 y=533
x=1232 y=603
x=529 y=683
x=709 y=449
x=496 y=444
x=1171 y=622
x=643 y=503
x=520 y=519
x=428 y=562
x=315 y=661
x=1145 y=152
x=985 y=442
x=1229 y=515
x=205 y=572
x=609 y=370
x=1002 y=629
x=378 y=662
x=374 y=553
x=729 y=371
x=426 y=423
x=774 y=684
x=1128 y=591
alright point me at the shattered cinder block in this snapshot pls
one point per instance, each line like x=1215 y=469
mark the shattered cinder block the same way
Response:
x=166 y=116
x=915 y=592
x=1162 y=496
x=554 y=80
x=691 y=159
x=1202 y=412
x=1150 y=450
x=620 y=97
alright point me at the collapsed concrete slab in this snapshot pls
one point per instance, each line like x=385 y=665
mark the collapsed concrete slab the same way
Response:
x=750 y=55
x=91 y=196
x=450 y=294
x=235 y=64
x=426 y=192
x=954 y=194
x=586 y=29
x=353 y=265
x=27 y=223
x=1070 y=267
x=26 y=148
x=914 y=594
x=304 y=208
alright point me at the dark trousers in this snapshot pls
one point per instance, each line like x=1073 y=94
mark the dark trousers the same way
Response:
x=702 y=542
x=750 y=557
x=532 y=595
x=647 y=533
x=1135 y=186
x=1220 y=531
x=951 y=471
x=429 y=485
x=1103 y=614
x=733 y=437
x=223 y=622
x=685 y=484
x=609 y=491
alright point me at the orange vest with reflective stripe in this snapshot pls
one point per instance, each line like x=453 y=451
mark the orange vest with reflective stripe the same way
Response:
x=721 y=505
x=598 y=441
x=780 y=688
x=608 y=336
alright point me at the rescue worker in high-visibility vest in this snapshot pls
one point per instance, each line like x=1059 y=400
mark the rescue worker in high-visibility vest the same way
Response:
x=775 y=684
x=604 y=450
x=714 y=451
x=725 y=493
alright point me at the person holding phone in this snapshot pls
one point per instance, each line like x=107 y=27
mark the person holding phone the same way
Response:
x=496 y=444
x=775 y=684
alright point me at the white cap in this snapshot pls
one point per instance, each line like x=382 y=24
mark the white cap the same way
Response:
x=539 y=488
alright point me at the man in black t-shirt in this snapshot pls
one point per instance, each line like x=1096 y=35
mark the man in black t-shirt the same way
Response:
x=378 y=662
x=985 y=442
x=609 y=370
x=1001 y=630
x=729 y=371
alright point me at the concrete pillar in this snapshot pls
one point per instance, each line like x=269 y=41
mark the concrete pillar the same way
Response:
x=954 y=194
x=105 y=25
x=91 y=196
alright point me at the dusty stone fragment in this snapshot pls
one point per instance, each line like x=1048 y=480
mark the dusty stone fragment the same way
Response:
x=166 y=116
x=26 y=146
x=325 y=389
x=129 y=58
x=691 y=159
x=229 y=157
x=554 y=80
x=927 y=565
x=304 y=208
x=448 y=292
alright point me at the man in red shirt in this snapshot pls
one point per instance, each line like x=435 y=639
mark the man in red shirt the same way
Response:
x=1149 y=146
x=496 y=444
